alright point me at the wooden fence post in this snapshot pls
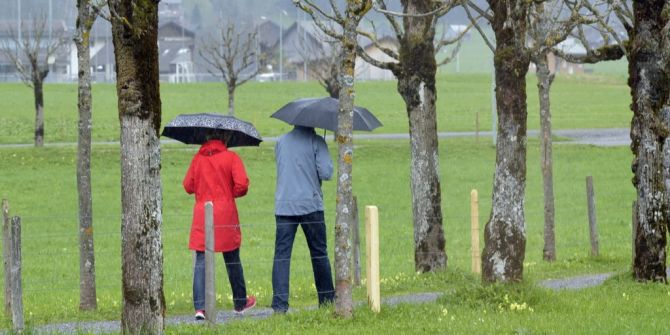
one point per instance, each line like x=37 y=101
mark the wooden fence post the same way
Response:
x=6 y=257
x=372 y=255
x=592 y=216
x=474 y=229
x=17 y=290
x=210 y=270
x=357 y=245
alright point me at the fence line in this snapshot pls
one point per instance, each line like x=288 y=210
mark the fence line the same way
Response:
x=396 y=243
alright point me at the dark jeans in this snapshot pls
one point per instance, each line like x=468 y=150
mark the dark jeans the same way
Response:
x=235 y=276
x=314 y=227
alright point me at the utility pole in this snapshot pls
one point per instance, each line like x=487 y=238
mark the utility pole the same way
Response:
x=18 y=20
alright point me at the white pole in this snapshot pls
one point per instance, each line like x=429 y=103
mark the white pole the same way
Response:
x=281 y=47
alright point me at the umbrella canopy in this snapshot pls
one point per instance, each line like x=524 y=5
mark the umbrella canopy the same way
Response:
x=193 y=128
x=322 y=113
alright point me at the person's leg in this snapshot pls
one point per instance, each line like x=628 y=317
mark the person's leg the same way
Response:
x=236 y=278
x=314 y=228
x=281 y=268
x=199 y=281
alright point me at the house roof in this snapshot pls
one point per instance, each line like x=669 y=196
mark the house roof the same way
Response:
x=173 y=30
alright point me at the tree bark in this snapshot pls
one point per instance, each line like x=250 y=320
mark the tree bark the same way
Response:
x=544 y=81
x=38 y=92
x=649 y=71
x=87 y=290
x=416 y=84
x=231 y=100
x=504 y=235
x=354 y=12
x=136 y=54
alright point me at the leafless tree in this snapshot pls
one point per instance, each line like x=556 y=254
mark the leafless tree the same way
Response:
x=647 y=48
x=550 y=23
x=505 y=232
x=87 y=14
x=415 y=66
x=31 y=56
x=649 y=80
x=135 y=36
x=348 y=20
x=230 y=53
x=322 y=62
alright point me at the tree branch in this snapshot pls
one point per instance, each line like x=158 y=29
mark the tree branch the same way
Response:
x=479 y=29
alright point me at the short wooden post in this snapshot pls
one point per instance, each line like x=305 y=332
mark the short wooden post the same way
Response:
x=6 y=257
x=372 y=255
x=357 y=245
x=592 y=216
x=210 y=270
x=474 y=229
x=17 y=290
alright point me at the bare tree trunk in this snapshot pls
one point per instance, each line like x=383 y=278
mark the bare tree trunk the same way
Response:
x=136 y=52
x=505 y=235
x=649 y=70
x=38 y=92
x=231 y=100
x=416 y=84
x=87 y=291
x=544 y=81
x=355 y=10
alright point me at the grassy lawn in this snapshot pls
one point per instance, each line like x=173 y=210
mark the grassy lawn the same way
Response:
x=578 y=102
x=41 y=187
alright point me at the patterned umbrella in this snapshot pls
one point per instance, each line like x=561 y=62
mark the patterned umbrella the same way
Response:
x=193 y=128
x=322 y=113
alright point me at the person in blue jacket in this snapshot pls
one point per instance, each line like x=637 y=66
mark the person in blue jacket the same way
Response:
x=303 y=162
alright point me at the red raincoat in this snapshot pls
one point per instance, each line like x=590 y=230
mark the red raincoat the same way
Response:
x=216 y=175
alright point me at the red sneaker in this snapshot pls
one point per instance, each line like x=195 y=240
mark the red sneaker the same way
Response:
x=251 y=302
x=199 y=315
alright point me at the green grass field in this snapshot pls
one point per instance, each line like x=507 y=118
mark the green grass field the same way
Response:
x=578 y=102
x=41 y=187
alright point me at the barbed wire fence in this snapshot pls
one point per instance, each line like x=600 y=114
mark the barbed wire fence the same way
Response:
x=50 y=255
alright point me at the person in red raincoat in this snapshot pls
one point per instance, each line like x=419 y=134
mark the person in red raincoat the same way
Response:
x=217 y=175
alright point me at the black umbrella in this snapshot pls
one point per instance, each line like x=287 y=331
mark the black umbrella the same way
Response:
x=193 y=128
x=322 y=113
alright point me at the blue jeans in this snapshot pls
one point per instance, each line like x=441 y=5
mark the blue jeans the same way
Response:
x=314 y=227
x=235 y=276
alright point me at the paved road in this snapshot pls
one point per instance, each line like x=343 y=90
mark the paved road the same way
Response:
x=599 y=137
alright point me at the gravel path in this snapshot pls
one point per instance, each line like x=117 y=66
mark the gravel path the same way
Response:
x=105 y=327
x=599 y=137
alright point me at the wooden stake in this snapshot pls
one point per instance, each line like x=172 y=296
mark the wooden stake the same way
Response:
x=6 y=257
x=372 y=255
x=210 y=270
x=17 y=290
x=592 y=216
x=357 y=245
x=474 y=230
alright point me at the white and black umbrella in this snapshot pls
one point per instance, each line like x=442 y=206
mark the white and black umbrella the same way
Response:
x=193 y=128
x=322 y=113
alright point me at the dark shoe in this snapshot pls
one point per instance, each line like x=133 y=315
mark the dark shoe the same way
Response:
x=199 y=315
x=251 y=302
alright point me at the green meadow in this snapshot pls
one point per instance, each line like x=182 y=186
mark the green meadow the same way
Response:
x=40 y=185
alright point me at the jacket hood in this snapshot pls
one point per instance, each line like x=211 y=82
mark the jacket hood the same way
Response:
x=212 y=147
